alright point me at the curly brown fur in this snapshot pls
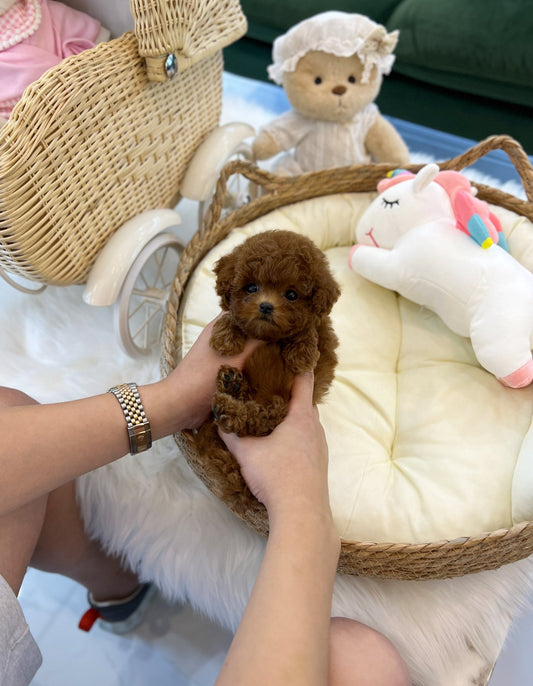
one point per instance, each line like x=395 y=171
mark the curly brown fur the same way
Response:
x=276 y=287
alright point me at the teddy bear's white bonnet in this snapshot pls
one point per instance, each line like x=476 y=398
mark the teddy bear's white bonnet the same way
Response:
x=19 y=19
x=338 y=33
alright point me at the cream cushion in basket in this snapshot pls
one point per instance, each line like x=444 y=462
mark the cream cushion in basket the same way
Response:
x=424 y=444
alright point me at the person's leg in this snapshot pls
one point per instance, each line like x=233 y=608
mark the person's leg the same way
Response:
x=361 y=656
x=20 y=529
x=64 y=548
x=49 y=535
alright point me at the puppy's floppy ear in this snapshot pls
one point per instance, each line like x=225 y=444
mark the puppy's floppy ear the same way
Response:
x=225 y=271
x=326 y=291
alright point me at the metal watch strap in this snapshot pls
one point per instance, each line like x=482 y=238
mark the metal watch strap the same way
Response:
x=139 y=432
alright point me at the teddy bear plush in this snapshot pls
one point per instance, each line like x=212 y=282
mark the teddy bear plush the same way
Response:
x=427 y=237
x=331 y=67
x=35 y=35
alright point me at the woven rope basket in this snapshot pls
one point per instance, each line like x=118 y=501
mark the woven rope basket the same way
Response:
x=94 y=141
x=432 y=560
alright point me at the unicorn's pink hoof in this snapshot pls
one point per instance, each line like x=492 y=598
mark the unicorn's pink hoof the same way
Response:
x=523 y=376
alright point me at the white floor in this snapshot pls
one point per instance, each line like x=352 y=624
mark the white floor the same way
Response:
x=174 y=646
x=515 y=664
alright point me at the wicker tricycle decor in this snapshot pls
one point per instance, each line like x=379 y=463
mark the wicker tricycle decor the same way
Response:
x=322 y=201
x=97 y=149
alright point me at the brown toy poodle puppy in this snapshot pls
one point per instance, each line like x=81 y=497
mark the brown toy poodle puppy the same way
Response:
x=275 y=287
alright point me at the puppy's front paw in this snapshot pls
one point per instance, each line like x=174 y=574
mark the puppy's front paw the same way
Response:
x=301 y=360
x=228 y=414
x=230 y=380
x=301 y=353
x=226 y=338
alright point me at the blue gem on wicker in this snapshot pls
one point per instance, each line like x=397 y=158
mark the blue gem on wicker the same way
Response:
x=171 y=66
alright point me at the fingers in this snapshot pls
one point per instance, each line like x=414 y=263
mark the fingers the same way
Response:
x=230 y=440
x=249 y=347
x=240 y=447
x=301 y=399
x=302 y=391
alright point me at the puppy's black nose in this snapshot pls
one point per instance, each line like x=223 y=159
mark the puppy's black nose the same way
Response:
x=266 y=308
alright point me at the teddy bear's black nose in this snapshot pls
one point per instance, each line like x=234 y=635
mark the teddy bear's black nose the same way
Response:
x=339 y=90
x=266 y=308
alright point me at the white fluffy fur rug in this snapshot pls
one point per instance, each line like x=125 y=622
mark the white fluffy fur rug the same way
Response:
x=152 y=510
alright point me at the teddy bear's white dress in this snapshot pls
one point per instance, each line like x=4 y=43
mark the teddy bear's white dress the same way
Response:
x=320 y=144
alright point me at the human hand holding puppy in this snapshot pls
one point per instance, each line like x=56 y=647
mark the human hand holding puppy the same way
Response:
x=287 y=470
x=189 y=388
x=289 y=609
x=59 y=438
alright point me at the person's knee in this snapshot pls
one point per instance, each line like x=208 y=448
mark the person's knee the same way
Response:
x=362 y=656
x=12 y=397
x=19 y=532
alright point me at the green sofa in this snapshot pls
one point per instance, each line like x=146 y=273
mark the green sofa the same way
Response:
x=462 y=66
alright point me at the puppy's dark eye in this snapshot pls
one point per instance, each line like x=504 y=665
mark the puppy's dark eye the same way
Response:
x=351 y=79
x=291 y=295
x=251 y=288
x=318 y=80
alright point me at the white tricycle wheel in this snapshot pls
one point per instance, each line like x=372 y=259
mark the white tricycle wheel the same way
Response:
x=141 y=305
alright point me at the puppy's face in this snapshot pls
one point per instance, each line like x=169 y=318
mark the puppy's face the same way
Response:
x=275 y=285
x=269 y=307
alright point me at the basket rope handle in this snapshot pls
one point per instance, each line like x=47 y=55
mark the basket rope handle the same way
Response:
x=274 y=182
x=514 y=150
x=297 y=187
x=267 y=180
x=174 y=35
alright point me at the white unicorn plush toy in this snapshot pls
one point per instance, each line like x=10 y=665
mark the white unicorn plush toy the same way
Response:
x=428 y=238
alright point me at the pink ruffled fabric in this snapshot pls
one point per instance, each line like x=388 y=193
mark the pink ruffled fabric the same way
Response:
x=18 y=22
x=61 y=32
